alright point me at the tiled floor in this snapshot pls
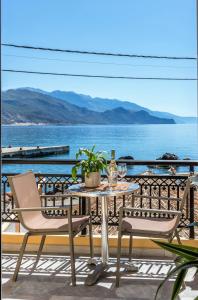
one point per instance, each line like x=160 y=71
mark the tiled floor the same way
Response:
x=51 y=280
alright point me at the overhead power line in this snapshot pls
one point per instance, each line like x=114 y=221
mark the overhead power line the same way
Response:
x=98 y=76
x=97 y=62
x=99 y=53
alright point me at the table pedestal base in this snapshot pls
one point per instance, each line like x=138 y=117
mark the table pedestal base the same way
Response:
x=98 y=273
x=131 y=268
x=101 y=272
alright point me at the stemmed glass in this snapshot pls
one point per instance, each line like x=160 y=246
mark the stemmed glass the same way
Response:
x=194 y=179
x=122 y=170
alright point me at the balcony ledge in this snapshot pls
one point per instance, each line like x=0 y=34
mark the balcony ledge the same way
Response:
x=11 y=242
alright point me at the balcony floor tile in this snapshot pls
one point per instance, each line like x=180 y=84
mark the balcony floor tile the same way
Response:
x=51 y=280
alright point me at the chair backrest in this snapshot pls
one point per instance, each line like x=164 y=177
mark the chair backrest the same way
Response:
x=183 y=201
x=185 y=195
x=26 y=195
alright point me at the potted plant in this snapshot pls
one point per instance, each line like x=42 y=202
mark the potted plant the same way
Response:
x=90 y=167
x=187 y=258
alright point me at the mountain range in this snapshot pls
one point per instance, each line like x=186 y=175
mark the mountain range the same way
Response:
x=30 y=105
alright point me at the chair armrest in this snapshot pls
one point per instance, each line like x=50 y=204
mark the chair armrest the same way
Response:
x=170 y=212
x=155 y=197
x=40 y=208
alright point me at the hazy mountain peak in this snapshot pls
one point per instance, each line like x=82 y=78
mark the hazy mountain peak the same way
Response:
x=100 y=105
x=32 y=106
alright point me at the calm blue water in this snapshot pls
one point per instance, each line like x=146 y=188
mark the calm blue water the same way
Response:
x=140 y=141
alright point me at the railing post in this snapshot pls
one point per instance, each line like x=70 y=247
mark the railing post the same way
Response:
x=191 y=169
x=83 y=205
x=192 y=230
x=84 y=211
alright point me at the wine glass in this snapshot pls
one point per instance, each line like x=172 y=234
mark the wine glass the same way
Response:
x=194 y=180
x=122 y=170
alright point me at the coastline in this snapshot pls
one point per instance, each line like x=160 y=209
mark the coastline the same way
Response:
x=84 y=124
x=25 y=124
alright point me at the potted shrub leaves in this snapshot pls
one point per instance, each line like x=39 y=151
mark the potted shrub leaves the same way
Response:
x=91 y=166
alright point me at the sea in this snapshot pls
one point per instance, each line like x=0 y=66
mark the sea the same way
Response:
x=143 y=142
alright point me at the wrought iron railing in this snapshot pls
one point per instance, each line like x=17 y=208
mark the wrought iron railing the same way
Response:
x=152 y=185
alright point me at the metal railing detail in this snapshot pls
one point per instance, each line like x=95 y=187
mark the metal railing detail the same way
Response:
x=149 y=185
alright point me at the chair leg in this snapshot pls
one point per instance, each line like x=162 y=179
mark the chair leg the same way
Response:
x=118 y=258
x=178 y=237
x=130 y=246
x=39 y=251
x=170 y=239
x=25 y=239
x=71 y=245
x=91 y=240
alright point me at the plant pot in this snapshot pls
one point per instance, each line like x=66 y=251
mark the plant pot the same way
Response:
x=92 y=180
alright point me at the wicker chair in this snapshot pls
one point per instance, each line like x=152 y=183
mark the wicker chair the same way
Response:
x=149 y=227
x=28 y=206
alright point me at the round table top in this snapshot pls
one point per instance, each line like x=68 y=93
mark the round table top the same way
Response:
x=122 y=188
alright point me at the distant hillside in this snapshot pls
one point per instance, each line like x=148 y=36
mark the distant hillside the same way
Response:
x=103 y=104
x=26 y=105
x=121 y=115
x=96 y=104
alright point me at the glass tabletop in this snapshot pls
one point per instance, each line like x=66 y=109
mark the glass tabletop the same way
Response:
x=122 y=188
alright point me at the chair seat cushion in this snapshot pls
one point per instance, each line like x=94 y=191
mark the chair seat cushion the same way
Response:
x=40 y=223
x=148 y=226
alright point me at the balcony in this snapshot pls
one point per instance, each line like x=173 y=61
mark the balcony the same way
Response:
x=51 y=278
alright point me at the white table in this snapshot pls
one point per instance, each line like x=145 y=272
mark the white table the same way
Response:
x=103 y=193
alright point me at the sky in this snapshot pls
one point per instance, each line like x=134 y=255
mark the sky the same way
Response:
x=148 y=27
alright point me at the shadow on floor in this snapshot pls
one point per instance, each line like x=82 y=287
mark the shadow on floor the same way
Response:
x=51 y=280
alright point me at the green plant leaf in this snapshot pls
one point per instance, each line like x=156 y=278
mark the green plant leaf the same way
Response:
x=178 y=283
x=74 y=173
x=79 y=153
x=187 y=252
x=192 y=224
x=184 y=266
x=95 y=161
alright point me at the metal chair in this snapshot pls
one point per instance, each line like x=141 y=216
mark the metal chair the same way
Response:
x=148 y=226
x=28 y=206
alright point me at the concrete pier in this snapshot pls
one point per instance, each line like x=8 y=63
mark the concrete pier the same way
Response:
x=23 y=152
